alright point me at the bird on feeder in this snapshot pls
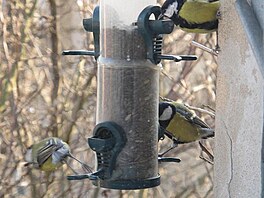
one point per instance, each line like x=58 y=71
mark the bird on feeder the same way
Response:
x=181 y=124
x=196 y=16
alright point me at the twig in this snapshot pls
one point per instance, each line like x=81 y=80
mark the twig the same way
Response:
x=190 y=107
x=208 y=153
x=207 y=49
x=207 y=106
x=200 y=110
x=203 y=158
x=166 y=99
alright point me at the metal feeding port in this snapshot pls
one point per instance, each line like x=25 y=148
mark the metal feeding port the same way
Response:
x=108 y=140
x=90 y=25
x=152 y=31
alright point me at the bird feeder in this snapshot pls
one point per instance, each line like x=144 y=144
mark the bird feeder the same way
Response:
x=126 y=135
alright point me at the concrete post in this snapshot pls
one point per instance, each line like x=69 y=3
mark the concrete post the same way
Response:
x=239 y=112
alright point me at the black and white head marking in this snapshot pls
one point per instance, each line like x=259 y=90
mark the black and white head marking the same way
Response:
x=171 y=10
x=166 y=114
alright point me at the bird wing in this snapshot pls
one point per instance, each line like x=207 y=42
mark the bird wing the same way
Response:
x=199 y=11
x=60 y=154
x=189 y=115
x=46 y=151
x=196 y=120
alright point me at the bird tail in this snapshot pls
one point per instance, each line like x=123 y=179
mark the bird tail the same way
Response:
x=207 y=133
x=31 y=164
x=28 y=163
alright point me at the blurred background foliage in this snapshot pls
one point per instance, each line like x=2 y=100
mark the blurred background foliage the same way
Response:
x=45 y=94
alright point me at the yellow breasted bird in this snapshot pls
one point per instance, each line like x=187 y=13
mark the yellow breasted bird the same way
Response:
x=181 y=124
x=49 y=154
x=197 y=16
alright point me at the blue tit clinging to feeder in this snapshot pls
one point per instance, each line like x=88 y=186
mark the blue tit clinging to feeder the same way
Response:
x=49 y=154
x=196 y=16
x=181 y=124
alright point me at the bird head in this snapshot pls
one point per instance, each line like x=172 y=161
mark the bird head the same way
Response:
x=28 y=156
x=170 y=8
x=166 y=113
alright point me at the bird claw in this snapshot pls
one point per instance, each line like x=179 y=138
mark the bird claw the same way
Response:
x=175 y=144
x=219 y=15
x=217 y=49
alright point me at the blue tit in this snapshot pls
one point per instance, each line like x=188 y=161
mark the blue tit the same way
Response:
x=49 y=154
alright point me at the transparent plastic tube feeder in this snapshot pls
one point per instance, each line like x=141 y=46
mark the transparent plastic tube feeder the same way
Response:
x=127 y=95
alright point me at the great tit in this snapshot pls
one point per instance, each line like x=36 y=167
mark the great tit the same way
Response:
x=181 y=124
x=49 y=154
x=196 y=16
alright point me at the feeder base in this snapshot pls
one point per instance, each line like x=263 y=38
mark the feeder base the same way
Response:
x=128 y=184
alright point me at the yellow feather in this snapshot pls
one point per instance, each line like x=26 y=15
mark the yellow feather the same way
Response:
x=183 y=130
x=49 y=166
x=199 y=12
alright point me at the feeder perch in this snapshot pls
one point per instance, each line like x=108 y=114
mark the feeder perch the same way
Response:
x=90 y=25
x=152 y=31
